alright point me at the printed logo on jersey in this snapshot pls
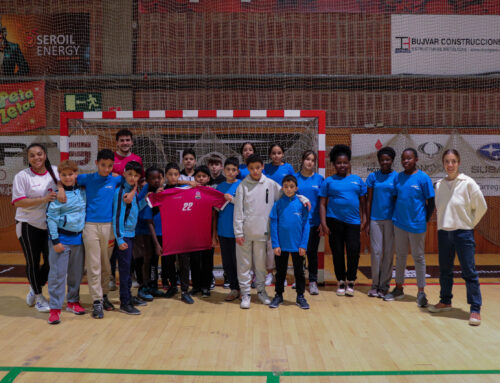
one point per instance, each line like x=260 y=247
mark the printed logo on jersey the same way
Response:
x=416 y=187
x=108 y=187
x=298 y=213
x=316 y=186
x=197 y=195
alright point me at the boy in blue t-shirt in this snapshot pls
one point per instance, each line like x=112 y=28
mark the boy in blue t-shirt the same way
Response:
x=145 y=257
x=413 y=209
x=289 y=234
x=124 y=222
x=97 y=234
x=225 y=230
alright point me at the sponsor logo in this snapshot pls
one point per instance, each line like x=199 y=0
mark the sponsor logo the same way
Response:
x=298 y=213
x=404 y=44
x=108 y=187
x=490 y=151
x=430 y=149
x=416 y=187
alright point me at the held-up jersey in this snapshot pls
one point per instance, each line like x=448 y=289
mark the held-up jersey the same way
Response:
x=186 y=217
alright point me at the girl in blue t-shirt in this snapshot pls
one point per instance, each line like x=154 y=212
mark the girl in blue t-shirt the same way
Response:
x=380 y=205
x=309 y=182
x=277 y=169
x=413 y=209
x=343 y=216
x=246 y=150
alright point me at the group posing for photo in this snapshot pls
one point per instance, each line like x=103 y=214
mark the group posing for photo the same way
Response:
x=259 y=214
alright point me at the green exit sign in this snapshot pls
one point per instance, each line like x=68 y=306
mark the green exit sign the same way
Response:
x=83 y=102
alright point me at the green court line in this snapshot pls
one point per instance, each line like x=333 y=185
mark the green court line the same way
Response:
x=271 y=377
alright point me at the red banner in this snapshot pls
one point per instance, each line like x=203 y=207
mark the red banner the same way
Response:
x=459 y=7
x=22 y=106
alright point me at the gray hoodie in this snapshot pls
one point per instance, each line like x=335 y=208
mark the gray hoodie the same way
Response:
x=252 y=205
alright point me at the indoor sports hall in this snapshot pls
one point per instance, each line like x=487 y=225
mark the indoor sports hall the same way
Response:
x=213 y=77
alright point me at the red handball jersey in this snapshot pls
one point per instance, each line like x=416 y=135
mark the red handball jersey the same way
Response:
x=121 y=162
x=186 y=217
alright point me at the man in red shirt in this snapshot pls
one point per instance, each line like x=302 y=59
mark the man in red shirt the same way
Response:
x=123 y=154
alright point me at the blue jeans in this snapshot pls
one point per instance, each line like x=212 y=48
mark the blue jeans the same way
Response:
x=461 y=242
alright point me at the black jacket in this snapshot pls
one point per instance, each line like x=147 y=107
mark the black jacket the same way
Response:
x=12 y=57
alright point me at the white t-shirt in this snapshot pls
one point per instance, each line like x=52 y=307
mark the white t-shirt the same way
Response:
x=28 y=184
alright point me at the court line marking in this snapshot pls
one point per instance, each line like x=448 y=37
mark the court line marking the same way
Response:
x=271 y=377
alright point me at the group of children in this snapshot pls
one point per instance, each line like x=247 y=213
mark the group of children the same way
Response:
x=258 y=214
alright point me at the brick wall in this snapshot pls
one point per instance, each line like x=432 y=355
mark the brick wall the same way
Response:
x=254 y=43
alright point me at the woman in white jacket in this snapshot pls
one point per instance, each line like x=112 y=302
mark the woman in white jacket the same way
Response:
x=460 y=206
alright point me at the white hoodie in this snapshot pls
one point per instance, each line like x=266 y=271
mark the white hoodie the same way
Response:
x=252 y=204
x=460 y=207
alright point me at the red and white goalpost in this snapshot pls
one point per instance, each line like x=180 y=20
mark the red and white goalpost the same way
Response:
x=68 y=148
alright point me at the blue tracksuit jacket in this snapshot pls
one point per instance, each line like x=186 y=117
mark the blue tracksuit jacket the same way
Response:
x=289 y=224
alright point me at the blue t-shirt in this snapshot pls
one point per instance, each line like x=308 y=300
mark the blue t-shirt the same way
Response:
x=277 y=173
x=412 y=193
x=66 y=239
x=142 y=227
x=148 y=215
x=309 y=187
x=225 y=221
x=383 y=194
x=343 y=197
x=100 y=192
x=243 y=171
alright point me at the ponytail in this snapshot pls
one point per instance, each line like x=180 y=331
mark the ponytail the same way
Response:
x=48 y=165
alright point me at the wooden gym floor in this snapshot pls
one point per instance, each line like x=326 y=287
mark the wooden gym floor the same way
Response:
x=339 y=339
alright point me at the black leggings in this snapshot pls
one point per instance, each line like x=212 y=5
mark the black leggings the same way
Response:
x=34 y=242
x=344 y=234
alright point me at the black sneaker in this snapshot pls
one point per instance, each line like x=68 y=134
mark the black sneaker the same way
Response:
x=226 y=282
x=106 y=304
x=129 y=309
x=212 y=285
x=205 y=293
x=185 y=297
x=157 y=293
x=136 y=301
x=171 y=292
x=277 y=300
x=97 y=311
x=301 y=302
x=194 y=291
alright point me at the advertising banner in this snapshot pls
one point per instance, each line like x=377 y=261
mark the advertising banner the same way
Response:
x=82 y=150
x=49 y=44
x=439 y=7
x=480 y=155
x=22 y=106
x=445 y=45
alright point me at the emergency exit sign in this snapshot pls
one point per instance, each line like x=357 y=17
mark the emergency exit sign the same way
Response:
x=83 y=102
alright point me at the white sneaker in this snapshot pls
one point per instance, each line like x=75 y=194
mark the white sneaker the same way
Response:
x=341 y=289
x=245 y=302
x=135 y=285
x=269 y=279
x=350 y=288
x=41 y=304
x=286 y=283
x=264 y=298
x=30 y=298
